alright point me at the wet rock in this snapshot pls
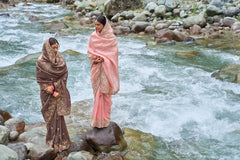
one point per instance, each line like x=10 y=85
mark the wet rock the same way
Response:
x=6 y=116
x=7 y=153
x=120 y=30
x=33 y=18
x=165 y=35
x=139 y=143
x=106 y=139
x=15 y=125
x=139 y=26
x=71 y=52
x=213 y=10
x=150 y=30
x=58 y=26
x=235 y=26
x=228 y=21
x=227 y=73
x=187 y=54
x=82 y=155
x=13 y=135
x=113 y=7
x=194 y=20
x=4 y=14
x=20 y=149
x=28 y=58
x=160 y=11
x=4 y=135
x=195 y=29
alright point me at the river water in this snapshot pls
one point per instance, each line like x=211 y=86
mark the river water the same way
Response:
x=192 y=115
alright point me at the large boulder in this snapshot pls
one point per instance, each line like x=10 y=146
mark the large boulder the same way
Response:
x=228 y=73
x=194 y=20
x=15 y=125
x=106 y=139
x=4 y=135
x=7 y=153
x=113 y=7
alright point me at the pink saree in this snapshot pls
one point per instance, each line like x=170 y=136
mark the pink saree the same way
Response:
x=104 y=76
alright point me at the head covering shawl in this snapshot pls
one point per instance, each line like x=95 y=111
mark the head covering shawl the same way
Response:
x=104 y=44
x=50 y=68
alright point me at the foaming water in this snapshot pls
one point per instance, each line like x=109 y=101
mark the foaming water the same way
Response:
x=194 y=115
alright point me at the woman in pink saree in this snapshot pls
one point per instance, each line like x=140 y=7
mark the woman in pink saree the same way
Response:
x=103 y=56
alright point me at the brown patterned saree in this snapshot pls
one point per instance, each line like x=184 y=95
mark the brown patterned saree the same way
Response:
x=51 y=69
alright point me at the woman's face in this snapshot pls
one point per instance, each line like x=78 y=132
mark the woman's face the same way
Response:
x=98 y=26
x=55 y=48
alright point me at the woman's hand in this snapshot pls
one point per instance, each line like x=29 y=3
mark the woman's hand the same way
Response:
x=49 y=90
x=98 y=60
x=56 y=95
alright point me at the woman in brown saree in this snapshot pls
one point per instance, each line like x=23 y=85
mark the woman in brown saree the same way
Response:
x=52 y=74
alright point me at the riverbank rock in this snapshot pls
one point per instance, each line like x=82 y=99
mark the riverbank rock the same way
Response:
x=235 y=26
x=7 y=153
x=113 y=7
x=194 y=20
x=106 y=139
x=213 y=10
x=228 y=73
x=20 y=149
x=4 y=134
x=6 y=116
x=166 y=35
x=15 y=125
x=140 y=145
x=228 y=21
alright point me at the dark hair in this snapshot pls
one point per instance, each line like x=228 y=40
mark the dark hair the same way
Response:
x=53 y=41
x=101 y=19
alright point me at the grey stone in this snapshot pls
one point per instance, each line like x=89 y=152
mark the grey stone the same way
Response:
x=213 y=10
x=7 y=153
x=4 y=135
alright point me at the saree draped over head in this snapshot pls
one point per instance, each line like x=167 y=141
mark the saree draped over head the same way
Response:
x=51 y=69
x=104 y=76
